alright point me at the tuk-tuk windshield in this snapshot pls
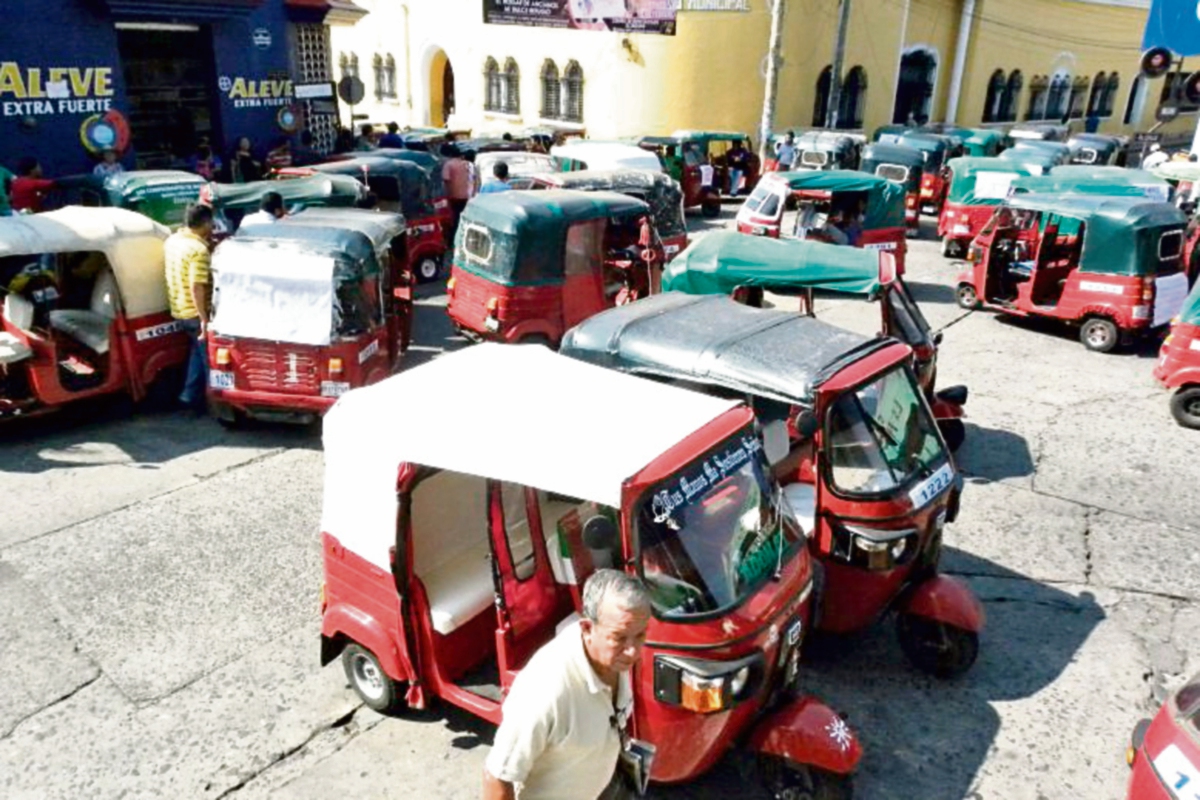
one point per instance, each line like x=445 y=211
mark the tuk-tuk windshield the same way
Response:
x=715 y=533
x=882 y=436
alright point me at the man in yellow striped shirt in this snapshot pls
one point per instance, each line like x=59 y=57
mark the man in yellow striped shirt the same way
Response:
x=189 y=290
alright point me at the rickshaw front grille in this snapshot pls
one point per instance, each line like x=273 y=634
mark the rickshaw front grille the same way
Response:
x=277 y=369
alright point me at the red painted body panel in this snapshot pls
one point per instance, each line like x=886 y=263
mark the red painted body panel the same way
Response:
x=933 y=193
x=1179 y=359
x=951 y=221
x=809 y=732
x=947 y=600
x=426 y=239
x=521 y=310
x=1164 y=730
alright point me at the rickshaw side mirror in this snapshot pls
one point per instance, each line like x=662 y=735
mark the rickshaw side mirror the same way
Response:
x=599 y=533
x=807 y=424
x=937 y=338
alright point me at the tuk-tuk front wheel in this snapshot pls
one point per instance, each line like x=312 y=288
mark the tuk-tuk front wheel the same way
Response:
x=966 y=296
x=786 y=780
x=944 y=651
x=1099 y=334
x=1185 y=407
x=369 y=681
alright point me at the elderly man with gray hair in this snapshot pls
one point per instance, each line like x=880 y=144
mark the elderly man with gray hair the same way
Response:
x=561 y=734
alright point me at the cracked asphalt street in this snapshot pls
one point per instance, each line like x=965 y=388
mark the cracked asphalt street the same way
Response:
x=159 y=579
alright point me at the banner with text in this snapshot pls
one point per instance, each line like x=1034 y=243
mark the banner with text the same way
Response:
x=627 y=16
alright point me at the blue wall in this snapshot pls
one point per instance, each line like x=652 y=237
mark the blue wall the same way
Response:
x=79 y=34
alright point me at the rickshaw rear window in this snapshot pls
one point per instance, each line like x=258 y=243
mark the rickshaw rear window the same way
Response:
x=814 y=158
x=358 y=308
x=892 y=172
x=1170 y=245
x=477 y=242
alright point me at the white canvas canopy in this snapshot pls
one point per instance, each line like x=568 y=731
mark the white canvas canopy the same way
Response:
x=132 y=243
x=518 y=413
x=608 y=155
x=265 y=291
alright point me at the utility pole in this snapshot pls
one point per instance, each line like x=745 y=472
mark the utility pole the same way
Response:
x=835 y=73
x=773 y=58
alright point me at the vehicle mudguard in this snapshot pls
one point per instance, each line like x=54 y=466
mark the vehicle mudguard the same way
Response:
x=1188 y=376
x=945 y=409
x=806 y=731
x=946 y=600
x=531 y=328
x=1119 y=316
x=361 y=628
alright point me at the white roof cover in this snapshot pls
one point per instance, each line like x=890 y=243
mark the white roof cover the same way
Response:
x=519 y=413
x=131 y=242
x=281 y=294
x=608 y=155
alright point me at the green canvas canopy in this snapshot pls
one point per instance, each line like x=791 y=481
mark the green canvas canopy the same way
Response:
x=1084 y=179
x=984 y=142
x=1039 y=162
x=889 y=133
x=723 y=260
x=391 y=180
x=1057 y=149
x=1190 y=314
x=317 y=190
x=1121 y=235
x=163 y=195
x=933 y=146
x=885 y=200
x=978 y=181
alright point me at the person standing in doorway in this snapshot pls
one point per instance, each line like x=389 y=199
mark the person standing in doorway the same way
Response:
x=567 y=710
x=189 y=291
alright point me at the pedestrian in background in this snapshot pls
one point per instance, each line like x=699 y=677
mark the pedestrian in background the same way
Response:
x=270 y=209
x=109 y=165
x=243 y=165
x=785 y=153
x=566 y=713
x=392 y=138
x=499 y=181
x=189 y=290
x=204 y=162
x=29 y=188
x=456 y=174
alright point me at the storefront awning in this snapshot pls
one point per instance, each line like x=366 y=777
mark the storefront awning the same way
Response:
x=337 y=12
x=189 y=10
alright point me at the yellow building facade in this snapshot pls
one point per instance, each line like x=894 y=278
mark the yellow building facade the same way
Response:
x=973 y=62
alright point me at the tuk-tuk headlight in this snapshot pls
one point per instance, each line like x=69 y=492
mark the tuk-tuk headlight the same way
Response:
x=707 y=687
x=874 y=549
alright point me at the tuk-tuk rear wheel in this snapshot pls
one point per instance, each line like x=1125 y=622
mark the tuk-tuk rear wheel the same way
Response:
x=1185 y=407
x=428 y=269
x=369 y=681
x=1100 y=335
x=944 y=651
x=966 y=296
x=786 y=780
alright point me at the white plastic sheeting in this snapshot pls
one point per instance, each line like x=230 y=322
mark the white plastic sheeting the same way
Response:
x=265 y=292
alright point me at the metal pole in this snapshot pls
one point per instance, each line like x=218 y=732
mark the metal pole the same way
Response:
x=774 y=45
x=961 y=53
x=835 y=73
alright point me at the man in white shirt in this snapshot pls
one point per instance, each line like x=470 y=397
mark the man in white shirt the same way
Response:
x=563 y=718
x=270 y=209
x=785 y=152
x=1156 y=157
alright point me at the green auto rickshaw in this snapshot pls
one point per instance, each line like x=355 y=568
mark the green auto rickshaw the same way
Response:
x=1035 y=160
x=232 y=201
x=903 y=166
x=825 y=150
x=162 y=194
x=1095 y=148
x=1110 y=181
x=984 y=142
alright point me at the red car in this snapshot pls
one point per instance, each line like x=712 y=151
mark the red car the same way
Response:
x=1164 y=754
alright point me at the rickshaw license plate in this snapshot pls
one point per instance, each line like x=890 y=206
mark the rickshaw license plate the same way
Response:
x=334 y=388
x=932 y=486
x=492 y=324
x=220 y=380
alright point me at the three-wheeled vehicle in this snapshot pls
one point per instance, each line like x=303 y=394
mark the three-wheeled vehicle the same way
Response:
x=864 y=468
x=1178 y=364
x=522 y=166
x=85 y=309
x=1044 y=131
x=657 y=189
x=452 y=555
x=975 y=187
x=938 y=150
x=433 y=168
x=529 y=265
x=1163 y=753
x=712 y=148
x=825 y=150
x=723 y=262
x=818 y=195
x=1112 y=265
x=1094 y=148
x=903 y=166
x=1038 y=154
x=1111 y=181
x=984 y=142
x=304 y=311
x=162 y=195
x=590 y=154
x=401 y=187
x=232 y=201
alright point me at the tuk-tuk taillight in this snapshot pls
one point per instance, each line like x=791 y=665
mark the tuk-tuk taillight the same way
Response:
x=335 y=366
x=910 y=201
x=222 y=358
x=965 y=217
x=450 y=287
x=1147 y=290
x=493 y=307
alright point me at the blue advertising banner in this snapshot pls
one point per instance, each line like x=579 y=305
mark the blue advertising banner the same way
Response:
x=1175 y=25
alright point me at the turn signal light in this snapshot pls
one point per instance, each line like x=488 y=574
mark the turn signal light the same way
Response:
x=1147 y=290
x=493 y=304
x=321 y=597
x=450 y=286
x=223 y=359
x=965 y=217
x=702 y=695
x=335 y=366
x=1130 y=756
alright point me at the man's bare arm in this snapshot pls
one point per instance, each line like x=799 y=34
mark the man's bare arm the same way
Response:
x=496 y=789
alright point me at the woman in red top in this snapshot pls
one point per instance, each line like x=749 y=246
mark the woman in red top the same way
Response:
x=29 y=188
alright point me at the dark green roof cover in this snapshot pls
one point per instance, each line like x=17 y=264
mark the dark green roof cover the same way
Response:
x=711 y=136
x=984 y=142
x=353 y=252
x=886 y=153
x=659 y=189
x=886 y=132
x=1190 y=315
x=1057 y=149
x=1121 y=234
x=317 y=190
x=392 y=180
x=885 y=200
x=1176 y=171
x=716 y=341
x=422 y=158
x=721 y=261
x=161 y=194
x=933 y=146
x=378 y=226
x=1035 y=159
x=965 y=173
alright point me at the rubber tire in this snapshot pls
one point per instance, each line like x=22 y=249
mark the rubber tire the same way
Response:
x=787 y=780
x=362 y=668
x=954 y=431
x=941 y=650
x=966 y=297
x=422 y=271
x=1095 y=325
x=950 y=248
x=1185 y=407
x=710 y=209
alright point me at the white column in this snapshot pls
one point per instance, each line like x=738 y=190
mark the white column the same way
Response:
x=960 y=60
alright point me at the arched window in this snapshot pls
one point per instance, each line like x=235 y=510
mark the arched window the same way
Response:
x=1011 y=97
x=1039 y=94
x=1096 y=97
x=1057 y=96
x=551 y=91
x=573 y=92
x=1137 y=99
x=1079 y=93
x=914 y=90
x=389 y=74
x=1109 y=97
x=380 y=81
x=995 y=95
x=853 y=99
x=821 y=102
x=512 y=87
x=492 y=92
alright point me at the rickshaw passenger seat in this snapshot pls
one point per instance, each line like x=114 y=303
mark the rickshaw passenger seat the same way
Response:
x=19 y=313
x=802 y=497
x=459 y=589
x=90 y=327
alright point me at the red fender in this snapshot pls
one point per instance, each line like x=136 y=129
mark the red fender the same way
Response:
x=1187 y=376
x=363 y=629
x=947 y=600
x=943 y=410
x=806 y=731
x=966 y=276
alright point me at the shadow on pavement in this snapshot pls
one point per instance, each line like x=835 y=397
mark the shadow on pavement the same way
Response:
x=931 y=292
x=994 y=454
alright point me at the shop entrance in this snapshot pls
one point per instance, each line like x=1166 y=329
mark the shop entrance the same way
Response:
x=169 y=78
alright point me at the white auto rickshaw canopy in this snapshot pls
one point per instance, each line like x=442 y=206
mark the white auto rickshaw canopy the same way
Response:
x=516 y=413
x=132 y=243
x=608 y=155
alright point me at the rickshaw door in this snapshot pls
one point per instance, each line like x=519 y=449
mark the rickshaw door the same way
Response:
x=585 y=279
x=528 y=605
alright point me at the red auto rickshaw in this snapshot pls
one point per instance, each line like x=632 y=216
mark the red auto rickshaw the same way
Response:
x=1111 y=265
x=452 y=553
x=1178 y=365
x=400 y=186
x=976 y=186
x=530 y=264
x=848 y=431
x=1163 y=753
x=85 y=310
x=818 y=195
x=305 y=309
